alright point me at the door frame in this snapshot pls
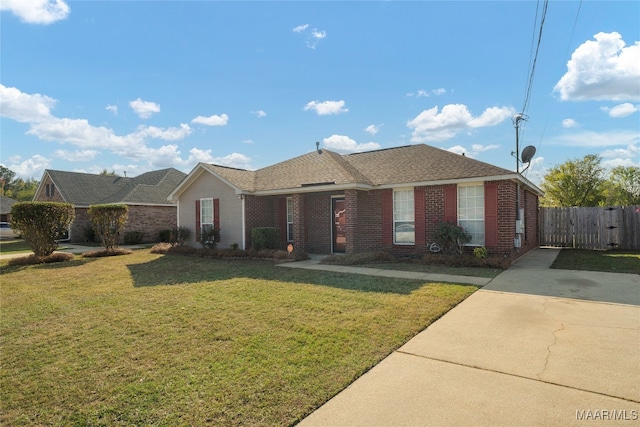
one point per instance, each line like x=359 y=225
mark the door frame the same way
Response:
x=333 y=224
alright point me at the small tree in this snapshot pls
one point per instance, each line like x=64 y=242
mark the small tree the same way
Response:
x=451 y=237
x=108 y=221
x=42 y=224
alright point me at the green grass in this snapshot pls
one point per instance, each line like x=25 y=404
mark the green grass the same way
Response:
x=14 y=246
x=146 y=339
x=607 y=261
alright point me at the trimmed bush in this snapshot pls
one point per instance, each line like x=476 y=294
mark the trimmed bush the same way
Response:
x=164 y=236
x=210 y=236
x=451 y=237
x=108 y=221
x=42 y=224
x=49 y=259
x=107 y=252
x=133 y=237
x=265 y=238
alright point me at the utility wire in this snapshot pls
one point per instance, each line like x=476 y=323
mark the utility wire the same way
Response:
x=527 y=97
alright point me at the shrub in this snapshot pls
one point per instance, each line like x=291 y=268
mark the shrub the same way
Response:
x=89 y=233
x=33 y=259
x=480 y=253
x=359 y=258
x=108 y=221
x=164 y=236
x=210 y=236
x=179 y=235
x=133 y=237
x=265 y=238
x=42 y=224
x=451 y=237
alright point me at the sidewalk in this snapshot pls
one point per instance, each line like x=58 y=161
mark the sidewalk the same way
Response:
x=511 y=354
x=314 y=264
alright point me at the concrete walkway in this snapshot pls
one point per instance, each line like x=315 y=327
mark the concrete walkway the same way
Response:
x=516 y=353
x=314 y=264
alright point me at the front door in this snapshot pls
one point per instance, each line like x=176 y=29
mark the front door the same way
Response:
x=339 y=209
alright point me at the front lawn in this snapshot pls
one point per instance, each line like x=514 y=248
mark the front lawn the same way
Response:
x=607 y=261
x=168 y=340
x=14 y=246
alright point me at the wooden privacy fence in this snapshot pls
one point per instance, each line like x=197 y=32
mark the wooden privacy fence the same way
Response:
x=616 y=227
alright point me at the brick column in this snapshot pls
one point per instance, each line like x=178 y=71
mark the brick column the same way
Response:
x=299 y=223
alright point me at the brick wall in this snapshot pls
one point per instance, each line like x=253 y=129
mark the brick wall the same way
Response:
x=367 y=231
x=260 y=212
x=319 y=223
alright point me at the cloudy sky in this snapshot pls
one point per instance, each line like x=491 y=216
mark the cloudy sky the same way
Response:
x=138 y=86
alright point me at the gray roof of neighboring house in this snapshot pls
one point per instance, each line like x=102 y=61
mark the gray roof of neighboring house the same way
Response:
x=5 y=204
x=393 y=166
x=83 y=189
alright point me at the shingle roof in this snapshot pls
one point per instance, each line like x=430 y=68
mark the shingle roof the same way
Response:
x=83 y=189
x=400 y=165
x=5 y=204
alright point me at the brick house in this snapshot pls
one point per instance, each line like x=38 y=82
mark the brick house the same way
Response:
x=146 y=196
x=385 y=200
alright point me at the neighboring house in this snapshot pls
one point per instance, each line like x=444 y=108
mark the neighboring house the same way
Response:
x=146 y=196
x=385 y=200
x=5 y=208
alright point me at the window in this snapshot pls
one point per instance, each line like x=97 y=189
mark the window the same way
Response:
x=471 y=211
x=404 y=229
x=50 y=190
x=206 y=213
x=290 y=219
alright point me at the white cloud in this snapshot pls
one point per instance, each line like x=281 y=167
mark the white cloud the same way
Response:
x=77 y=155
x=313 y=35
x=372 y=129
x=300 y=28
x=588 y=139
x=536 y=171
x=113 y=109
x=420 y=93
x=344 y=144
x=434 y=125
x=632 y=151
x=602 y=69
x=24 y=107
x=439 y=91
x=234 y=160
x=144 y=109
x=37 y=11
x=213 y=120
x=569 y=123
x=31 y=168
x=168 y=134
x=622 y=110
x=476 y=149
x=259 y=113
x=326 y=108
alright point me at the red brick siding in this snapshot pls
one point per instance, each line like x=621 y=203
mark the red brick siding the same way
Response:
x=260 y=212
x=318 y=227
x=367 y=224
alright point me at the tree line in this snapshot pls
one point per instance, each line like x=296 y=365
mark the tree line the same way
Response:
x=585 y=182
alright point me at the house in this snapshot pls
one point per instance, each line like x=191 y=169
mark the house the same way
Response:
x=146 y=196
x=385 y=200
x=5 y=208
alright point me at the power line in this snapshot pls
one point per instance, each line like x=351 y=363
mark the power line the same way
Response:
x=527 y=97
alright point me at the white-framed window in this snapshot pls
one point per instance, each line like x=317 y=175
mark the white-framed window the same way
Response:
x=206 y=213
x=404 y=226
x=289 y=219
x=50 y=190
x=471 y=211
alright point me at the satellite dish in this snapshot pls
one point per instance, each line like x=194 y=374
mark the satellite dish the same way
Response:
x=528 y=153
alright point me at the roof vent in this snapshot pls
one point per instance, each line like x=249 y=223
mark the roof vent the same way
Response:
x=318 y=147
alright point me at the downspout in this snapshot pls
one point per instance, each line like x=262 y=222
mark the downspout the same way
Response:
x=244 y=223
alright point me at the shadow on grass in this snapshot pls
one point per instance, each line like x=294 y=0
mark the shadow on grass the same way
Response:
x=178 y=269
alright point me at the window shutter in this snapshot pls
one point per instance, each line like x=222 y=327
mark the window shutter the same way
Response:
x=198 y=227
x=387 y=217
x=420 y=216
x=282 y=218
x=491 y=214
x=216 y=212
x=451 y=204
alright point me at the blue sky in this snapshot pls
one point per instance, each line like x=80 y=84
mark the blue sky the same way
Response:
x=139 y=86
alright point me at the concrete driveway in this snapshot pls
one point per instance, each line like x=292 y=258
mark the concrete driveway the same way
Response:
x=533 y=347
